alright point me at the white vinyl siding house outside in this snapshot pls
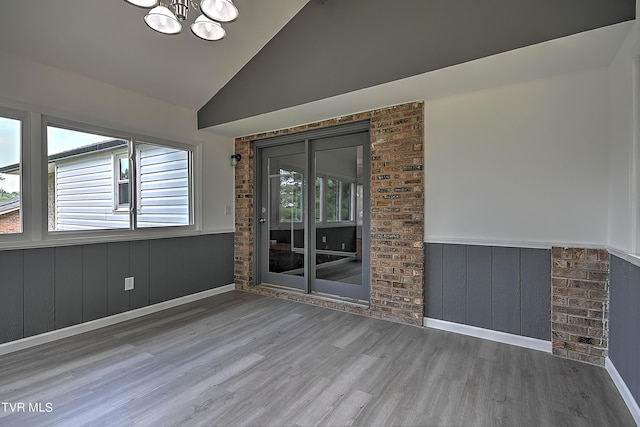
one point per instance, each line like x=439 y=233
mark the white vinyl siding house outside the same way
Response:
x=86 y=190
x=163 y=186
x=84 y=194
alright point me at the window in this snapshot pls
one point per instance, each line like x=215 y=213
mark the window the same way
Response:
x=346 y=201
x=122 y=182
x=290 y=196
x=319 y=185
x=10 y=175
x=335 y=200
x=164 y=186
x=95 y=185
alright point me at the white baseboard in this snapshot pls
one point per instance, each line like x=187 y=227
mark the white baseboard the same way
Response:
x=487 y=334
x=46 y=337
x=624 y=390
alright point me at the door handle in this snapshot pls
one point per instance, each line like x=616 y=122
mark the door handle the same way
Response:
x=262 y=220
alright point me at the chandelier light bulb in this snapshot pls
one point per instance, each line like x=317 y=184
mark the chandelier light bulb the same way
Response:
x=207 y=29
x=219 y=10
x=147 y=4
x=162 y=20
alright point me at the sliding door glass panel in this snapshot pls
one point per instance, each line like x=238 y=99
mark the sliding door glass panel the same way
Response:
x=338 y=255
x=286 y=214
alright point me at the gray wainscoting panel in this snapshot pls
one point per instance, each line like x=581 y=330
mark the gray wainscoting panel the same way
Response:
x=505 y=271
x=619 y=305
x=118 y=268
x=139 y=269
x=39 y=295
x=454 y=283
x=479 y=286
x=175 y=268
x=634 y=355
x=204 y=262
x=68 y=286
x=624 y=318
x=194 y=264
x=221 y=262
x=207 y=266
x=94 y=282
x=158 y=271
x=433 y=280
x=500 y=288
x=11 y=295
x=51 y=288
x=535 y=270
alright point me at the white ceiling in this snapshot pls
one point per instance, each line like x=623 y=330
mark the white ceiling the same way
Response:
x=107 y=40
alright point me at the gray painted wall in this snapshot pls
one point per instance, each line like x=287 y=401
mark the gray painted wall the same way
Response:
x=51 y=288
x=345 y=45
x=503 y=289
x=624 y=322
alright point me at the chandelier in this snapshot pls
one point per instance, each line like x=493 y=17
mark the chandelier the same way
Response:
x=166 y=16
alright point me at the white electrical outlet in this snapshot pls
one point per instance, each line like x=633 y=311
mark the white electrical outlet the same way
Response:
x=227 y=209
x=128 y=283
x=324 y=239
x=343 y=246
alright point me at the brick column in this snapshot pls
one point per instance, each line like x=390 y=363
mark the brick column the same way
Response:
x=397 y=213
x=243 y=244
x=580 y=303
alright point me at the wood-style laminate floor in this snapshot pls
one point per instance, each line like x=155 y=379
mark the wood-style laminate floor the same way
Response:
x=241 y=359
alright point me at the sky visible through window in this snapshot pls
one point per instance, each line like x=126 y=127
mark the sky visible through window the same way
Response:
x=58 y=140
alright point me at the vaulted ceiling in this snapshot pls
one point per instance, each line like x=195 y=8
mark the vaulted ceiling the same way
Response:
x=339 y=46
x=282 y=54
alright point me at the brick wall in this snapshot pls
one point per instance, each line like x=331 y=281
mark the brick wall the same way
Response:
x=397 y=213
x=580 y=303
x=10 y=222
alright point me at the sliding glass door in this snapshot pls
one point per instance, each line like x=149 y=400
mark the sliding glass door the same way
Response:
x=313 y=216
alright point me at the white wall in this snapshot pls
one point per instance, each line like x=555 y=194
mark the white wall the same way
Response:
x=521 y=164
x=621 y=146
x=46 y=90
x=217 y=182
